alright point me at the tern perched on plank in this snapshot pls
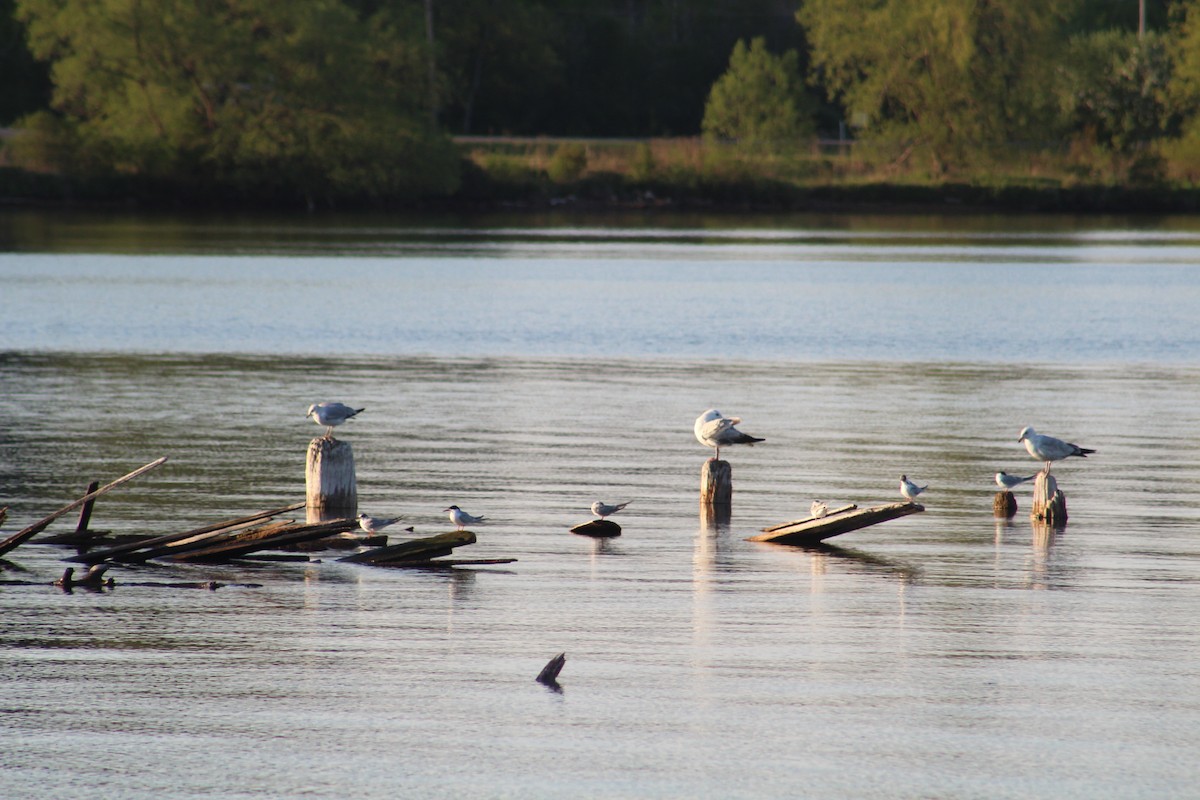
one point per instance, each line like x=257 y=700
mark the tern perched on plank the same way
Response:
x=331 y=415
x=910 y=489
x=1049 y=449
x=375 y=524
x=603 y=510
x=717 y=431
x=1006 y=481
x=461 y=519
x=818 y=509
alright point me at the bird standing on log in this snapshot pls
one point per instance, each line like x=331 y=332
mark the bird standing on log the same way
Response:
x=1006 y=481
x=374 y=524
x=1049 y=449
x=461 y=519
x=331 y=415
x=818 y=509
x=909 y=489
x=715 y=430
x=603 y=510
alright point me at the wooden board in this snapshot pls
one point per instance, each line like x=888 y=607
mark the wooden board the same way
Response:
x=598 y=528
x=828 y=514
x=414 y=550
x=809 y=531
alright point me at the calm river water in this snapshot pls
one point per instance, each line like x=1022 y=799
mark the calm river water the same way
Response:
x=523 y=370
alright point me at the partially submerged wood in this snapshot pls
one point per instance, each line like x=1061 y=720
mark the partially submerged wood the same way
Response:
x=269 y=537
x=598 y=527
x=1004 y=504
x=118 y=551
x=424 y=549
x=82 y=534
x=1049 y=503
x=810 y=518
x=331 y=491
x=549 y=673
x=27 y=533
x=442 y=563
x=716 y=483
x=842 y=521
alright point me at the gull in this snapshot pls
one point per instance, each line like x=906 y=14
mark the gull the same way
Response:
x=1048 y=449
x=374 y=524
x=461 y=518
x=1006 y=481
x=331 y=414
x=818 y=509
x=714 y=430
x=603 y=510
x=910 y=489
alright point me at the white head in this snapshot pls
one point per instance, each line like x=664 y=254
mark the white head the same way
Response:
x=1026 y=432
x=311 y=410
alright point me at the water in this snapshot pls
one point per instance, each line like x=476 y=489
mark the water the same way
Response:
x=522 y=373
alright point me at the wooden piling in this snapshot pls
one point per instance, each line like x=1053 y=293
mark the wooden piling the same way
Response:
x=331 y=491
x=1049 y=503
x=1004 y=505
x=716 y=483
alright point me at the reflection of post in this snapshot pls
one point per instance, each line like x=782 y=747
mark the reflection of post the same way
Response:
x=714 y=517
x=1049 y=504
x=331 y=490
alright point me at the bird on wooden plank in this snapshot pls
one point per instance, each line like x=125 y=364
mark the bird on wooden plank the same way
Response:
x=1049 y=449
x=1006 y=481
x=818 y=509
x=716 y=430
x=603 y=510
x=909 y=489
x=331 y=415
x=461 y=519
x=375 y=524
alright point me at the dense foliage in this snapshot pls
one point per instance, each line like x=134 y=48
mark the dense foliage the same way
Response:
x=355 y=99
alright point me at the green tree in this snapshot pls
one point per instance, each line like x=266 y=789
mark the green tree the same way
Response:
x=949 y=76
x=293 y=98
x=1113 y=88
x=760 y=99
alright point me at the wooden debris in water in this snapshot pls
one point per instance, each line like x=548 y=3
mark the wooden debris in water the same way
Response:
x=597 y=527
x=27 y=533
x=1004 y=505
x=1049 y=503
x=268 y=537
x=843 y=520
x=416 y=550
x=549 y=673
x=828 y=514
x=716 y=483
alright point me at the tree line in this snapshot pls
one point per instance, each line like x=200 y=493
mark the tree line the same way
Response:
x=328 y=98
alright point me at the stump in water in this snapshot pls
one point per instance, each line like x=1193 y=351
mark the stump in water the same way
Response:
x=1049 y=504
x=330 y=489
x=716 y=483
x=1004 y=505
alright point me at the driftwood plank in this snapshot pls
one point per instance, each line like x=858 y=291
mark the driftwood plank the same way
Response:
x=415 y=550
x=270 y=537
x=815 y=530
x=829 y=514
x=26 y=533
x=442 y=563
x=95 y=556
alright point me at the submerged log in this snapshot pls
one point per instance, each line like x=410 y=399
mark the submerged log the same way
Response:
x=716 y=483
x=1004 y=504
x=842 y=521
x=269 y=537
x=810 y=518
x=330 y=488
x=1049 y=503
x=416 y=550
x=597 y=527
x=549 y=673
x=442 y=563
x=37 y=527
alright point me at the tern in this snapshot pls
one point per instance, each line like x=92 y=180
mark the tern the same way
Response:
x=1006 y=481
x=716 y=431
x=910 y=489
x=818 y=509
x=1049 y=449
x=374 y=524
x=603 y=510
x=331 y=415
x=461 y=519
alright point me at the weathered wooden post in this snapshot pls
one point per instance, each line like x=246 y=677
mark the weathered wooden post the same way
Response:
x=716 y=493
x=331 y=491
x=1049 y=504
x=85 y=512
x=1004 y=505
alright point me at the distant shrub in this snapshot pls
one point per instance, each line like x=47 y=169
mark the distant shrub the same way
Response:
x=568 y=163
x=642 y=167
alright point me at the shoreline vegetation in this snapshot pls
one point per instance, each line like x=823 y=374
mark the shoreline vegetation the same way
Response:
x=678 y=174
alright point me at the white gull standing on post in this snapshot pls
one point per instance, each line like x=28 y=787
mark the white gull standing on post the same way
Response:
x=1049 y=449
x=717 y=431
x=331 y=414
